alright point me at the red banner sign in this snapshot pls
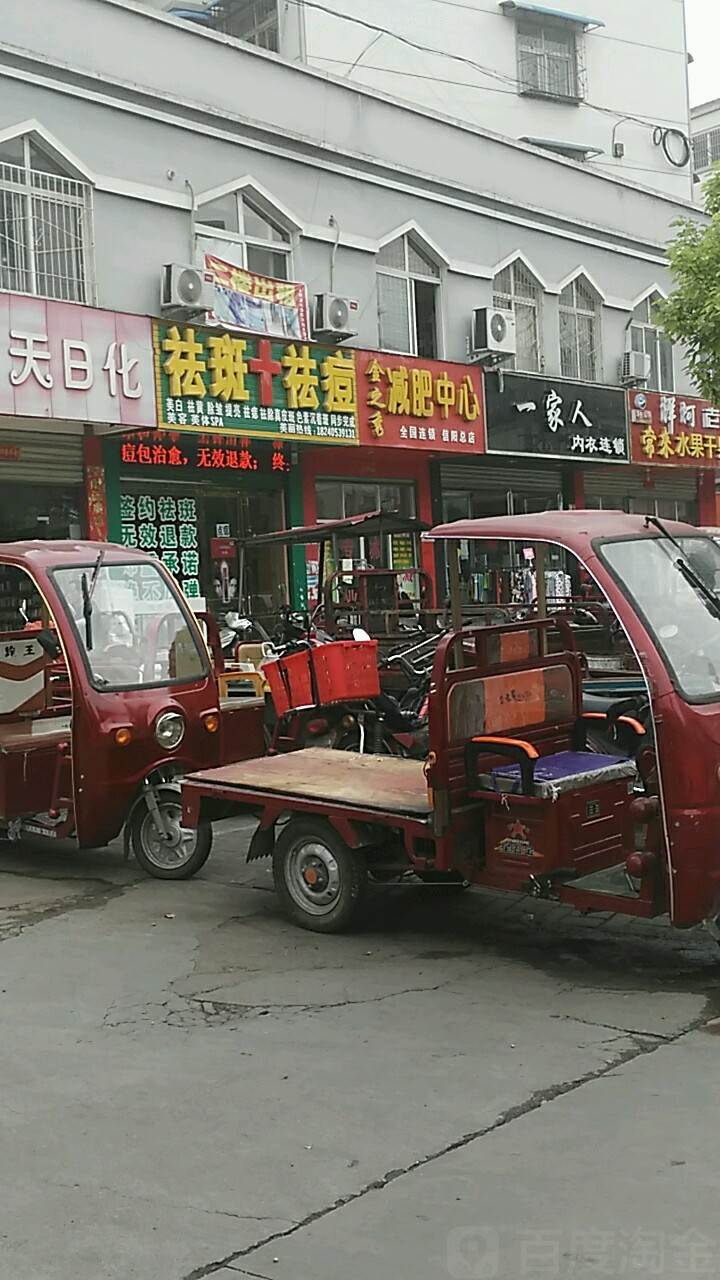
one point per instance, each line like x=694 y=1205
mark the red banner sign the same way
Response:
x=410 y=403
x=672 y=430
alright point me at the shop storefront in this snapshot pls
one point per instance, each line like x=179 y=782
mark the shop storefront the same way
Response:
x=675 y=453
x=542 y=435
x=192 y=499
x=67 y=372
x=41 y=483
x=410 y=411
x=234 y=416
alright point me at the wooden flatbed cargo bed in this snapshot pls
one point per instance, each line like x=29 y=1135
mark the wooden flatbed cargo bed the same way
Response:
x=385 y=784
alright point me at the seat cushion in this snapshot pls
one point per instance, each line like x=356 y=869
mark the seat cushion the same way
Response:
x=555 y=775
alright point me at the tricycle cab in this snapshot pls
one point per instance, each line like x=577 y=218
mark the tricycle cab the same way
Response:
x=662 y=581
x=107 y=690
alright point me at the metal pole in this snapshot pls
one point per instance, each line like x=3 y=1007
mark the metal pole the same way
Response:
x=540 y=562
x=241 y=577
x=455 y=601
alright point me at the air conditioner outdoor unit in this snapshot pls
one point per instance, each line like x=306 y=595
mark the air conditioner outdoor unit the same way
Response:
x=335 y=317
x=635 y=369
x=186 y=292
x=493 y=334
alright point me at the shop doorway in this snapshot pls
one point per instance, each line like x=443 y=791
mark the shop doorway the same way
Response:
x=241 y=517
x=504 y=574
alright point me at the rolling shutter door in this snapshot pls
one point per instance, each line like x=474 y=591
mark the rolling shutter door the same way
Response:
x=38 y=457
x=617 y=486
x=490 y=477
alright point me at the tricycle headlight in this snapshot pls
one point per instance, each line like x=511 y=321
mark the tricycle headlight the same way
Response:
x=169 y=730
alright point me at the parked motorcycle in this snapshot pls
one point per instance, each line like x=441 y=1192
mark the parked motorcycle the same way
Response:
x=391 y=726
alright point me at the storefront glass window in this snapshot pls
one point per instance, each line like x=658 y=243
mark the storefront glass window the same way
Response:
x=341 y=499
x=39 y=511
x=497 y=575
x=203 y=526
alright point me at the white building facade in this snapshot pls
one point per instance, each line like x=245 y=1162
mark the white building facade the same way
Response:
x=605 y=82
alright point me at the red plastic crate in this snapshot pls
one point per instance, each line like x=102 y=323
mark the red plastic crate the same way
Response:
x=290 y=682
x=346 y=671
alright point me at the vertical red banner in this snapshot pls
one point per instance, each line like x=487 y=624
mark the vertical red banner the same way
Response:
x=95 y=495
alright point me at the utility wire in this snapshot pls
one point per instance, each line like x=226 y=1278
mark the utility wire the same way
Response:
x=455 y=57
x=649 y=121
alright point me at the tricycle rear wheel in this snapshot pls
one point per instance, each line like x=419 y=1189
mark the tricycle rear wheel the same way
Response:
x=176 y=858
x=320 y=882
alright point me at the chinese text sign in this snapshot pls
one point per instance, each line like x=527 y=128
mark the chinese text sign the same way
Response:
x=166 y=526
x=533 y=415
x=254 y=387
x=673 y=430
x=58 y=360
x=257 y=304
x=420 y=404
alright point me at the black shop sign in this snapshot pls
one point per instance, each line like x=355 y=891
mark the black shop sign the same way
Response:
x=552 y=418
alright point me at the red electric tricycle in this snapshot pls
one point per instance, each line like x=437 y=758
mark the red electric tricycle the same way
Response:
x=108 y=694
x=512 y=795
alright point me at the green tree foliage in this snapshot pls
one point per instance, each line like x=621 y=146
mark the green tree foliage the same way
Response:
x=691 y=314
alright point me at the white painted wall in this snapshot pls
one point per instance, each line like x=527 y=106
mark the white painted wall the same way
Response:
x=635 y=66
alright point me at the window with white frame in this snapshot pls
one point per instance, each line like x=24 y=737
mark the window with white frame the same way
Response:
x=549 y=59
x=408 y=285
x=264 y=243
x=580 y=332
x=516 y=289
x=45 y=225
x=646 y=336
x=706 y=148
x=256 y=21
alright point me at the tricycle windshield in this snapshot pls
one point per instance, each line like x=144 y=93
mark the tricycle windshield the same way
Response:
x=132 y=626
x=657 y=576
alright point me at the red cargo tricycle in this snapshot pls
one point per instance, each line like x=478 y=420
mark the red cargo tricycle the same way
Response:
x=511 y=796
x=107 y=696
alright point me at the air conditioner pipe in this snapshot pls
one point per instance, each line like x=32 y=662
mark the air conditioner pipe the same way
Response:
x=333 y=222
x=193 y=220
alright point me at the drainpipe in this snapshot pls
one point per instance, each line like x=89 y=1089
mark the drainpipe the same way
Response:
x=193 y=219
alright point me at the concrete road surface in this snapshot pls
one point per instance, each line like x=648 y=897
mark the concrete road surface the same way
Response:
x=467 y=1087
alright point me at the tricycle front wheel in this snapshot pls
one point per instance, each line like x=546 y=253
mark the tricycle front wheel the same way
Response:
x=176 y=853
x=320 y=882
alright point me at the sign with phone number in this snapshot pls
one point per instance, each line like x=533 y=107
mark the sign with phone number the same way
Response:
x=254 y=387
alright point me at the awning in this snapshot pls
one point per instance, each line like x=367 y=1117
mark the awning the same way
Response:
x=571 y=150
x=364 y=526
x=558 y=15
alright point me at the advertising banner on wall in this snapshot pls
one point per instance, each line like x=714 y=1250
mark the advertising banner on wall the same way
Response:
x=254 y=387
x=258 y=304
x=420 y=404
x=676 y=431
x=552 y=418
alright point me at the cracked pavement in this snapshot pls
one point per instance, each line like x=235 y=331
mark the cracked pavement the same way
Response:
x=192 y=1088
